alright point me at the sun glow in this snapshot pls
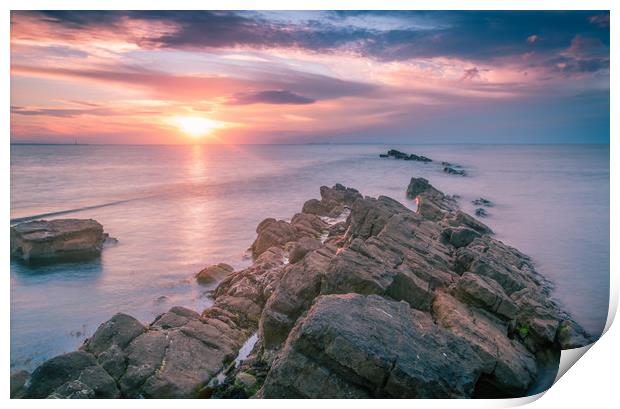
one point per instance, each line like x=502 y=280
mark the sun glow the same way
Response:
x=195 y=126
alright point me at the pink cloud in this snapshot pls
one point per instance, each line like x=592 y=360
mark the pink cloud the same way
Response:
x=533 y=38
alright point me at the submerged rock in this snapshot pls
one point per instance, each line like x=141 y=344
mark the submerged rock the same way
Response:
x=405 y=156
x=54 y=240
x=451 y=170
x=482 y=202
x=480 y=212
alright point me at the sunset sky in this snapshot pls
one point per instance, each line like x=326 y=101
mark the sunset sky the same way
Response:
x=299 y=77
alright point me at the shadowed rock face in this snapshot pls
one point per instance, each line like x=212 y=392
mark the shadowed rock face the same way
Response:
x=48 y=241
x=389 y=303
x=355 y=346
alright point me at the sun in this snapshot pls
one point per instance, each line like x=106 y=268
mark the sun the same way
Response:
x=196 y=126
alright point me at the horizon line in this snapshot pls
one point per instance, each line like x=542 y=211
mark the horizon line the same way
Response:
x=303 y=144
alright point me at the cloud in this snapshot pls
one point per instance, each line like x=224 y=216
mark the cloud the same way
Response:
x=58 y=112
x=570 y=65
x=474 y=35
x=533 y=38
x=470 y=74
x=587 y=46
x=277 y=86
x=271 y=97
x=601 y=20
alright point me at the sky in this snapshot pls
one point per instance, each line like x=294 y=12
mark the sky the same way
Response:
x=170 y=77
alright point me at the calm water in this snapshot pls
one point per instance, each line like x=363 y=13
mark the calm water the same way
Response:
x=176 y=209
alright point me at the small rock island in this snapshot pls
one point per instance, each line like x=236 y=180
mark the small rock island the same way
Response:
x=57 y=240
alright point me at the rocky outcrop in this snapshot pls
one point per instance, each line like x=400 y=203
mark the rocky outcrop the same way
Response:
x=54 y=240
x=393 y=153
x=389 y=303
x=435 y=277
x=356 y=346
x=333 y=201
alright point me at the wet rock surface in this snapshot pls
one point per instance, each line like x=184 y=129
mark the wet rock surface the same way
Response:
x=213 y=273
x=354 y=297
x=393 y=153
x=57 y=240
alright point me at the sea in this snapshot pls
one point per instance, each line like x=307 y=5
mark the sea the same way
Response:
x=178 y=208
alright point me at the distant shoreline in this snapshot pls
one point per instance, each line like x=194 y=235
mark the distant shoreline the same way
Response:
x=311 y=144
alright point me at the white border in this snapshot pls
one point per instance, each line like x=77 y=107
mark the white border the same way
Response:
x=593 y=382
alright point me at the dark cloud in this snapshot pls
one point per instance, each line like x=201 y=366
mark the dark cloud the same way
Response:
x=572 y=65
x=475 y=35
x=271 y=97
x=470 y=74
x=57 y=112
x=277 y=85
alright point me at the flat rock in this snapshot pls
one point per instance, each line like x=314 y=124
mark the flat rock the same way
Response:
x=55 y=240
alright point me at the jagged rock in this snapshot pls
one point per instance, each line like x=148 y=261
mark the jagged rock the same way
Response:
x=486 y=293
x=509 y=368
x=355 y=270
x=273 y=233
x=213 y=273
x=314 y=206
x=178 y=355
x=79 y=365
x=309 y=224
x=460 y=236
x=368 y=216
x=55 y=240
x=419 y=185
x=464 y=219
x=302 y=247
x=334 y=352
x=73 y=390
x=120 y=330
x=570 y=335
x=339 y=194
x=176 y=317
x=333 y=201
x=298 y=287
x=18 y=383
x=393 y=303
